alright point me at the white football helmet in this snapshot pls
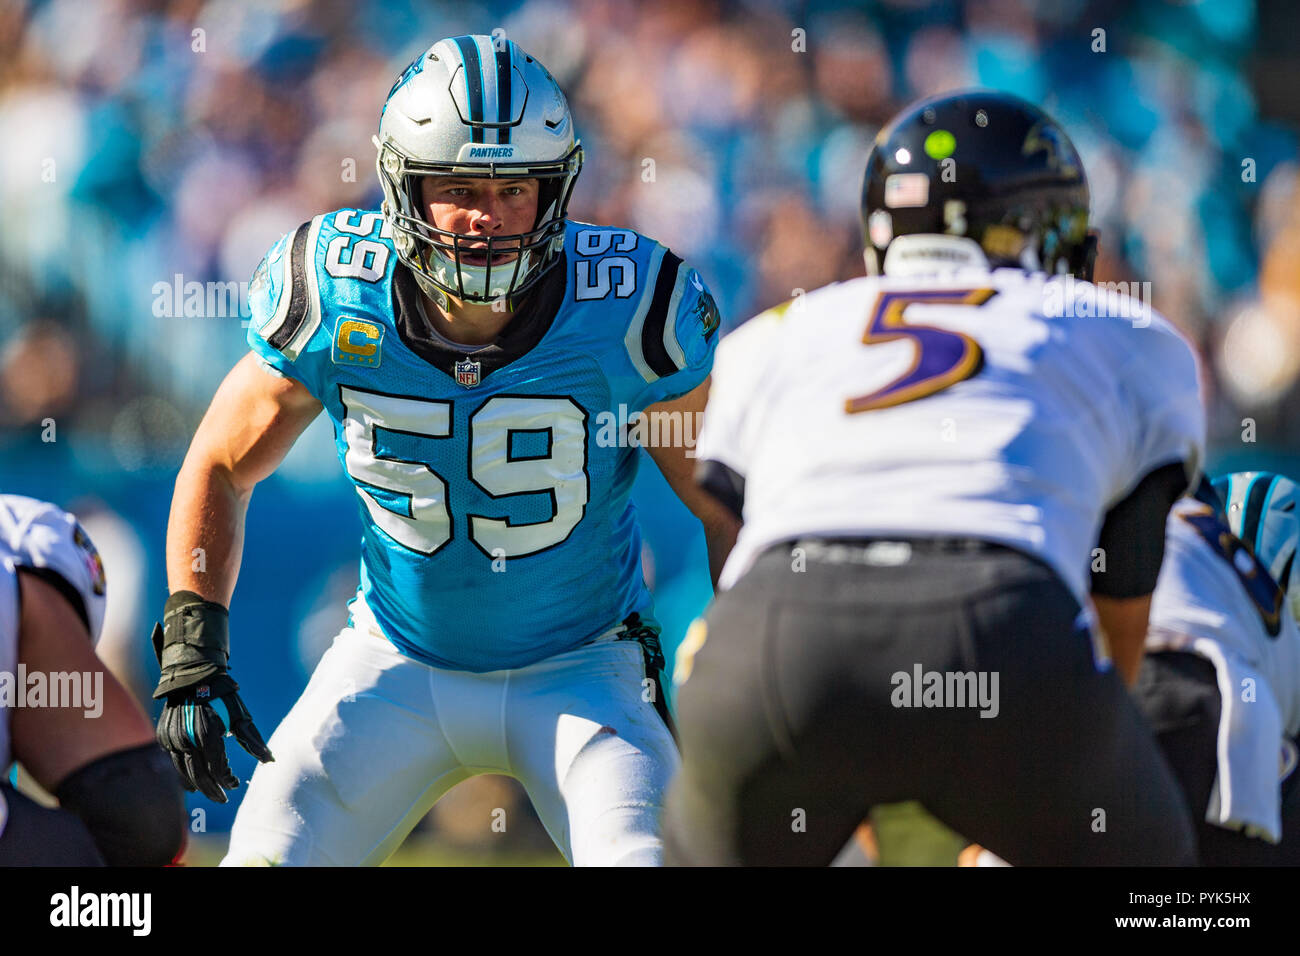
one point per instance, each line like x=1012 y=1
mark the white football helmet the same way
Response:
x=476 y=106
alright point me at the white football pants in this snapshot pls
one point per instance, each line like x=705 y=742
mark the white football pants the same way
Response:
x=377 y=738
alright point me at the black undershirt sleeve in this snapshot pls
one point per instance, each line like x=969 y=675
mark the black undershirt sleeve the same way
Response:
x=1132 y=535
x=725 y=484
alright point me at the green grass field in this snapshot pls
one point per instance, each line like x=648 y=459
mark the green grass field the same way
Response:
x=418 y=851
x=905 y=833
x=908 y=836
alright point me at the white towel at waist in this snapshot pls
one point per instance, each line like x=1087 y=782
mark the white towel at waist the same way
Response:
x=1248 y=749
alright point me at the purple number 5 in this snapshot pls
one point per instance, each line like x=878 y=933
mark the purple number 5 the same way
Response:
x=943 y=358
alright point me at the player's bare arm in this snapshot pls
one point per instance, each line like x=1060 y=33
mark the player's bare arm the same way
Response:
x=51 y=742
x=253 y=421
x=99 y=759
x=1124 y=623
x=678 y=467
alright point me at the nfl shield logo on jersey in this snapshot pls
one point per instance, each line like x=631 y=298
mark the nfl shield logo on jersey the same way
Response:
x=467 y=372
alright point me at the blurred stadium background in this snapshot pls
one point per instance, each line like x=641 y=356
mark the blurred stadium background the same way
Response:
x=146 y=144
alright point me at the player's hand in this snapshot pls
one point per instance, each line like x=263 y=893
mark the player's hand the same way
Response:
x=192 y=731
x=192 y=647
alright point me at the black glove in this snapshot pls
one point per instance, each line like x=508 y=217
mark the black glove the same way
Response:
x=193 y=648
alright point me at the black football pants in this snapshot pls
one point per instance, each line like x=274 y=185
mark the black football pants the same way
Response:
x=42 y=836
x=802 y=711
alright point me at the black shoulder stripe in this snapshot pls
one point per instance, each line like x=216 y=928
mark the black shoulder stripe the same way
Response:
x=1254 y=510
x=504 y=93
x=652 y=332
x=297 y=313
x=474 y=85
x=1206 y=494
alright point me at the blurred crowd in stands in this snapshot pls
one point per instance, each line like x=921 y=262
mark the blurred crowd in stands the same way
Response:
x=145 y=144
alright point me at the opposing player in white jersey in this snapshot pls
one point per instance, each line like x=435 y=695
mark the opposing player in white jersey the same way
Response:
x=1221 y=679
x=73 y=727
x=937 y=466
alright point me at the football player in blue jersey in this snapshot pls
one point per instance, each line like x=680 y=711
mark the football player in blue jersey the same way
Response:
x=471 y=347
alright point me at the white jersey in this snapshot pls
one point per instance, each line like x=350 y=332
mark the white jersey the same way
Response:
x=1205 y=602
x=952 y=404
x=34 y=534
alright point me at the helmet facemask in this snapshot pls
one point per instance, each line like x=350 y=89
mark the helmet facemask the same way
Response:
x=439 y=259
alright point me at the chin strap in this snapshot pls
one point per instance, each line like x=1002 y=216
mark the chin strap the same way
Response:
x=439 y=297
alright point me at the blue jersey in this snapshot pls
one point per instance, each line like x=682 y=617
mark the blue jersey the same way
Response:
x=495 y=503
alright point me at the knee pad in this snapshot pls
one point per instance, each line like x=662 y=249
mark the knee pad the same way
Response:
x=132 y=804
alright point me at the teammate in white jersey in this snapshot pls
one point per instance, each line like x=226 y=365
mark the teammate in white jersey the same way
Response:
x=1221 y=679
x=73 y=727
x=936 y=467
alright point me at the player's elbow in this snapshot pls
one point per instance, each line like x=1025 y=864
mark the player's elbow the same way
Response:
x=132 y=804
x=208 y=472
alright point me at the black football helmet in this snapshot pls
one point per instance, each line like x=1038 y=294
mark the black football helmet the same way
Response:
x=986 y=166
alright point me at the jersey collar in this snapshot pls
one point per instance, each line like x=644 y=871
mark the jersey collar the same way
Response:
x=931 y=254
x=533 y=318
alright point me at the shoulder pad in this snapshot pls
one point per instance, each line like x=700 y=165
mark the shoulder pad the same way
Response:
x=288 y=285
x=40 y=536
x=676 y=321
